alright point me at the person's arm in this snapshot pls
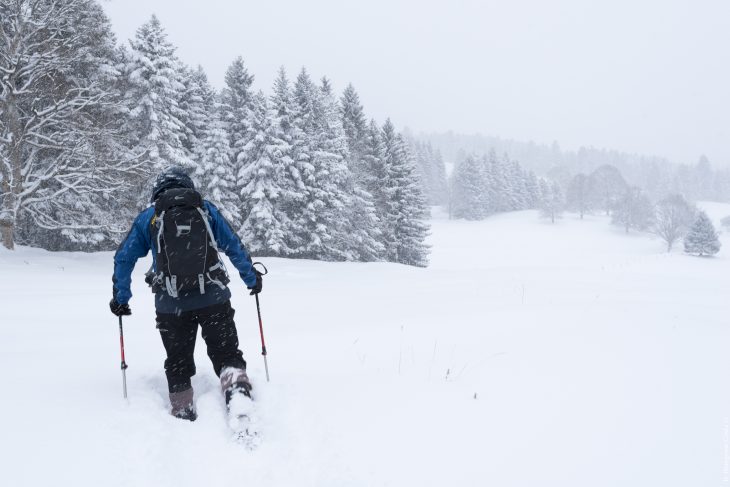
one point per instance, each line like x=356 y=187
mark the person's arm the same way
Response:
x=135 y=245
x=229 y=243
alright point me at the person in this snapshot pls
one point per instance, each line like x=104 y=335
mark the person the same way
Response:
x=189 y=280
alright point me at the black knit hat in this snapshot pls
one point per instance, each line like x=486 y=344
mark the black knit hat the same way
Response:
x=172 y=177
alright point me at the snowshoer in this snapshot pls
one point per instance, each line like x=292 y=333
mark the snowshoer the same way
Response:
x=185 y=233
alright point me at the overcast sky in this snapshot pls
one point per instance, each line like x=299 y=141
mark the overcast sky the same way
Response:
x=649 y=76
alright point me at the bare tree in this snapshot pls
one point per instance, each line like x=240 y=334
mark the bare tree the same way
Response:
x=578 y=197
x=633 y=210
x=551 y=205
x=52 y=124
x=607 y=186
x=674 y=217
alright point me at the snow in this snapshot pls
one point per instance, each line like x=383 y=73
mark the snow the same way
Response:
x=526 y=354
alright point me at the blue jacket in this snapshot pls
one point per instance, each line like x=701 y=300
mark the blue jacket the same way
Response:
x=139 y=242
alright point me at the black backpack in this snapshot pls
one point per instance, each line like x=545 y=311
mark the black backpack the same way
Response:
x=187 y=253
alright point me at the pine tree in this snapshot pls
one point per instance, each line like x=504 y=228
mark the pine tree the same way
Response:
x=374 y=172
x=215 y=176
x=198 y=106
x=702 y=238
x=438 y=177
x=499 y=186
x=265 y=224
x=519 y=199
x=533 y=190
x=470 y=191
x=364 y=232
x=320 y=155
x=404 y=224
x=155 y=90
x=355 y=127
x=291 y=185
x=236 y=107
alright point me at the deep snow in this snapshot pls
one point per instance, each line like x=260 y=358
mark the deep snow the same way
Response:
x=526 y=354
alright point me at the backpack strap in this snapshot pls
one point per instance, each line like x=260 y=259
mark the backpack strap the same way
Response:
x=204 y=215
x=161 y=219
x=171 y=285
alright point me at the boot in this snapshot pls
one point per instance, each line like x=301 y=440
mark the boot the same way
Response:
x=182 y=405
x=235 y=381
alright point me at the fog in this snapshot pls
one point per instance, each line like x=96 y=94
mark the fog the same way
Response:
x=649 y=76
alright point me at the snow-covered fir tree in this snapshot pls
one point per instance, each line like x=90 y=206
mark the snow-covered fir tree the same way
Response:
x=374 y=172
x=403 y=223
x=481 y=186
x=702 y=238
x=154 y=92
x=439 y=189
x=236 y=107
x=215 y=174
x=364 y=232
x=432 y=171
x=498 y=188
x=261 y=172
x=321 y=156
x=355 y=127
x=470 y=195
x=291 y=187
x=198 y=106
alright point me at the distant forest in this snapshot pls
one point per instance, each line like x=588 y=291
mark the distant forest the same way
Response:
x=655 y=175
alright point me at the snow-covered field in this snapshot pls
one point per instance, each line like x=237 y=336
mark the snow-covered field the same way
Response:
x=528 y=354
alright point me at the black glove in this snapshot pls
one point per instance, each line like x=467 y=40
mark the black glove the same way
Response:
x=256 y=288
x=119 y=309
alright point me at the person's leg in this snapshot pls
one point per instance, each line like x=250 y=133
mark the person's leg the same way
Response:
x=221 y=339
x=178 y=334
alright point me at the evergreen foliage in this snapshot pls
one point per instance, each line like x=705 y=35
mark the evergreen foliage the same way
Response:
x=702 y=239
x=482 y=186
x=155 y=89
x=259 y=179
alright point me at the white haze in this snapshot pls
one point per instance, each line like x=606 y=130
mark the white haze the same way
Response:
x=646 y=76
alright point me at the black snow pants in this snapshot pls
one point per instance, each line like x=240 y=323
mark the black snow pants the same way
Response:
x=179 y=331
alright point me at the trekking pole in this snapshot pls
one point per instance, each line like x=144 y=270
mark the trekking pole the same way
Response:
x=261 y=324
x=124 y=363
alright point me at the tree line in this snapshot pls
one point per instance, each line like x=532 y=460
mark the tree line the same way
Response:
x=481 y=185
x=672 y=217
x=656 y=175
x=87 y=123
